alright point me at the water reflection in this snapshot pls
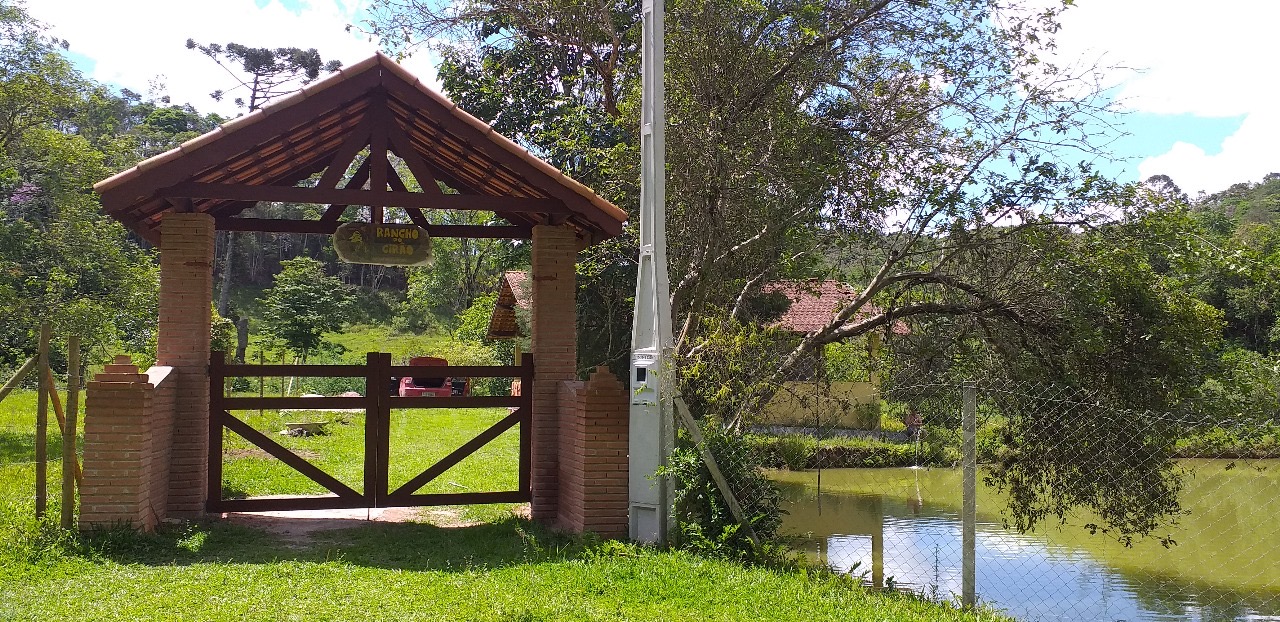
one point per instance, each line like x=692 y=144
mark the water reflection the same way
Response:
x=910 y=534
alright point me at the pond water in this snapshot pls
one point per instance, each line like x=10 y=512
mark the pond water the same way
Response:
x=902 y=527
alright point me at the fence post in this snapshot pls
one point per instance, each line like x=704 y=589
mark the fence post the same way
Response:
x=217 y=389
x=69 y=462
x=969 y=511
x=42 y=422
x=18 y=376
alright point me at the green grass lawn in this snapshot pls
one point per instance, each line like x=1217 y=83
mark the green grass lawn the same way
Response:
x=503 y=568
x=419 y=438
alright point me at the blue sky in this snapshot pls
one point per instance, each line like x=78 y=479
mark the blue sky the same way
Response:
x=1192 y=79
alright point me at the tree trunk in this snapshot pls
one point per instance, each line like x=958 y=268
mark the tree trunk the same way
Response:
x=224 y=294
x=242 y=338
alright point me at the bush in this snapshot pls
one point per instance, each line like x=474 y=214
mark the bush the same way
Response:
x=706 y=524
x=798 y=451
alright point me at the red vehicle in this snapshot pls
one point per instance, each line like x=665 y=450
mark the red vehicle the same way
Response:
x=433 y=387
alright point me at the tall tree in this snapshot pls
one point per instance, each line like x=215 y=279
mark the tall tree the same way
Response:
x=265 y=73
x=303 y=304
x=806 y=138
x=61 y=260
x=913 y=149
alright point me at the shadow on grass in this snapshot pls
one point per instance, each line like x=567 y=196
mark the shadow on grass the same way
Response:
x=18 y=447
x=402 y=546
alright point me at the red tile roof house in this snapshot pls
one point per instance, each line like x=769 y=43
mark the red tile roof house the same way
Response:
x=809 y=400
x=514 y=300
x=511 y=312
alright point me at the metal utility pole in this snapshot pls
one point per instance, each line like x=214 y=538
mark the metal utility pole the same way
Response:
x=651 y=429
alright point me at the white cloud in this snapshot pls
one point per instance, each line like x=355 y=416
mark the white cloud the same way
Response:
x=133 y=43
x=1178 y=56
x=1186 y=57
x=1246 y=155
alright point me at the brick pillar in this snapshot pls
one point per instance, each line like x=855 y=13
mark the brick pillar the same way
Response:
x=555 y=354
x=186 y=293
x=593 y=456
x=118 y=465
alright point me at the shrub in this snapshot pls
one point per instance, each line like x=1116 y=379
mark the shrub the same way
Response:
x=706 y=524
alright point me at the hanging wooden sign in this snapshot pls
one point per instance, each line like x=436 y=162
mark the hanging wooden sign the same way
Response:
x=382 y=244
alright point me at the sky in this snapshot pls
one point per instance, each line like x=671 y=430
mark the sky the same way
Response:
x=1192 y=80
x=140 y=44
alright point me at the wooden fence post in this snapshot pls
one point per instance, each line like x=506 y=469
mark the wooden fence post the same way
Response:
x=18 y=376
x=217 y=390
x=70 y=465
x=691 y=425
x=42 y=421
x=56 y=403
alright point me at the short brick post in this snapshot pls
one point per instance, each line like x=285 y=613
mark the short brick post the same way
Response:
x=555 y=355
x=593 y=456
x=117 y=449
x=186 y=293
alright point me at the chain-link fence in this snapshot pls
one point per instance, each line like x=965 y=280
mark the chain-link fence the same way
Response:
x=1078 y=511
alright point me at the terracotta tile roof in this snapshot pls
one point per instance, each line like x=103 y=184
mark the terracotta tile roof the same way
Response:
x=514 y=294
x=814 y=304
x=298 y=136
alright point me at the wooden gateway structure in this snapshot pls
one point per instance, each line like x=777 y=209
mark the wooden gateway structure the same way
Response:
x=153 y=438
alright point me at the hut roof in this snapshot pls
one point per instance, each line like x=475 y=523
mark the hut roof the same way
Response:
x=814 y=303
x=272 y=154
x=515 y=294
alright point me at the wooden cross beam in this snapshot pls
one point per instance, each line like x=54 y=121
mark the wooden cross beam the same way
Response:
x=274 y=225
x=373 y=198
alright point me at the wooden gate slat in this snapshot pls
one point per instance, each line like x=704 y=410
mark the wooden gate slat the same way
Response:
x=506 y=423
x=280 y=504
x=300 y=403
x=377 y=404
x=299 y=464
x=464 y=371
x=462 y=498
x=526 y=425
x=378 y=424
x=213 y=496
x=479 y=401
x=231 y=370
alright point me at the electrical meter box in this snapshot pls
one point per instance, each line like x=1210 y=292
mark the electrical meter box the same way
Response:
x=644 y=378
x=648 y=448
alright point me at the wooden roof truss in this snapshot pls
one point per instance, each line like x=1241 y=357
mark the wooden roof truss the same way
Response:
x=332 y=143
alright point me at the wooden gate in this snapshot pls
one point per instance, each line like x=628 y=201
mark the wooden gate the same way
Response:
x=377 y=402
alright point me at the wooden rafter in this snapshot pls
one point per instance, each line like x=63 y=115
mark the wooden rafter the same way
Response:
x=357 y=180
x=230 y=144
x=421 y=170
x=290 y=194
x=346 y=154
x=378 y=149
x=414 y=213
x=280 y=225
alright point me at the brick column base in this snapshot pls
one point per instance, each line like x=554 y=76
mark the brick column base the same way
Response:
x=127 y=425
x=593 y=456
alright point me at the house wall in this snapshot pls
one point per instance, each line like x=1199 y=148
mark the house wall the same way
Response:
x=850 y=405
